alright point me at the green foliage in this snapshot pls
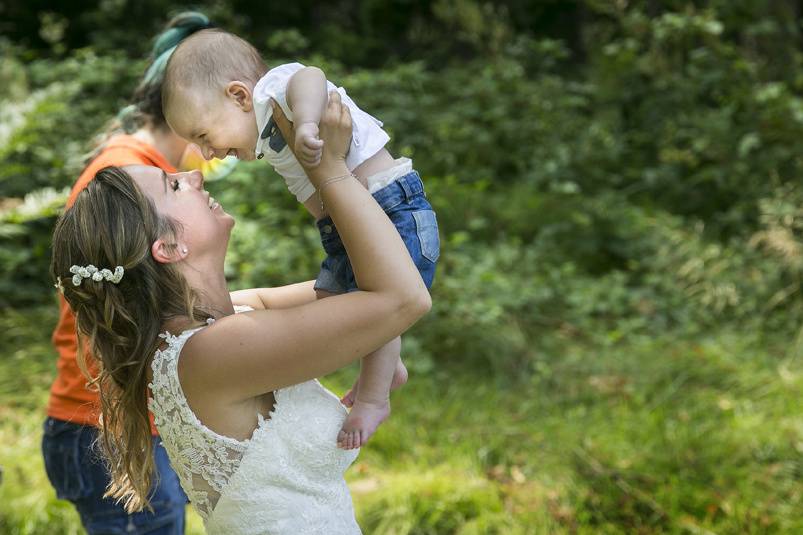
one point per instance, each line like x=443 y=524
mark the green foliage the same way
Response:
x=435 y=501
x=24 y=245
x=49 y=132
x=625 y=196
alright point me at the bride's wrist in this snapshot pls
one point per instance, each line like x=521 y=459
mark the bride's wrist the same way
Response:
x=324 y=171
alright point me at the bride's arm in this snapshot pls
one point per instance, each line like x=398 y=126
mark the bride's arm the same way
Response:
x=288 y=296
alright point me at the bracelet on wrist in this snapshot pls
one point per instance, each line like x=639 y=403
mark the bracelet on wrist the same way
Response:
x=328 y=182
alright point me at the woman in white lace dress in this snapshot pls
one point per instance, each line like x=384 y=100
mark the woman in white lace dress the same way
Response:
x=249 y=430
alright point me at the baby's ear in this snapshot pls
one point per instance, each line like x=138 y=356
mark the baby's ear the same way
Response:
x=240 y=94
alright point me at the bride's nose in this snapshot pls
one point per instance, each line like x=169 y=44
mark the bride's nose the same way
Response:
x=195 y=179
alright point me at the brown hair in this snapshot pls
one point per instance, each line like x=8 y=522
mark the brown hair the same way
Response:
x=209 y=59
x=113 y=223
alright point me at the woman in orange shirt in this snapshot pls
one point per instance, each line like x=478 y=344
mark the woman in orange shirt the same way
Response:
x=139 y=136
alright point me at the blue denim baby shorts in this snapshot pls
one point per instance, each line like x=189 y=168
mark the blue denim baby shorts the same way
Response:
x=409 y=210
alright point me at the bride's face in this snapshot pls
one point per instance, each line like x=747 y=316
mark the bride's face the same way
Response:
x=182 y=197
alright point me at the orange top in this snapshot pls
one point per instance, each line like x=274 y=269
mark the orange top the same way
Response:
x=70 y=400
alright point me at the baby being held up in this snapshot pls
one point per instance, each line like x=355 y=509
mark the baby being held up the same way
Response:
x=219 y=94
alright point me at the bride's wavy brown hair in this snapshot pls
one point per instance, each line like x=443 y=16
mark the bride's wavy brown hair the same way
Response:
x=113 y=223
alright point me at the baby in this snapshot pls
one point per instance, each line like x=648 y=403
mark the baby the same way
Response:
x=218 y=93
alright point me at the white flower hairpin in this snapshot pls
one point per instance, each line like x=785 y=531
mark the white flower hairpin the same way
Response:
x=91 y=272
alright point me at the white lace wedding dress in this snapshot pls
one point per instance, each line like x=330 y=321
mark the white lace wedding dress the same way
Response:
x=286 y=479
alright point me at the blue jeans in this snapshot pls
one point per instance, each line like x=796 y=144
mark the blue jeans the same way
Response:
x=76 y=471
x=407 y=207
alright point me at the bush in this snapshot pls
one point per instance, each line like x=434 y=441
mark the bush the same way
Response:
x=629 y=192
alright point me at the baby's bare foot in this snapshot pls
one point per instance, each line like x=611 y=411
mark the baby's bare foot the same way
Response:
x=361 y=423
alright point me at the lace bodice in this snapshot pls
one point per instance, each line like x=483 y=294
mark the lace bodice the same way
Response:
x=287 y=478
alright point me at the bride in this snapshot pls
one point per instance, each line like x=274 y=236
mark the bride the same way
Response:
x=249 y=430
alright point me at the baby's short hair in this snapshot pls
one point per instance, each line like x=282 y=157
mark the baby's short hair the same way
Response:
x=209 y=59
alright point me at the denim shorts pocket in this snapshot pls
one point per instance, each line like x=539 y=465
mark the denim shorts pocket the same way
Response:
x=61 y=449
x=427 y=229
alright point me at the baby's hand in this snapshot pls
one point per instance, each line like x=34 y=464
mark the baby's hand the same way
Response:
x=308 y=147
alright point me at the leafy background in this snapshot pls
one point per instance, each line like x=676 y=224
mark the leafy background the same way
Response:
x=615 y=340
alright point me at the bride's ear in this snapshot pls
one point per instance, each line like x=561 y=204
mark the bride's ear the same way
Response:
x=167 y=253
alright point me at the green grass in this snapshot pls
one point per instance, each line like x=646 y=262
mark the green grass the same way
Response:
x=649 y=436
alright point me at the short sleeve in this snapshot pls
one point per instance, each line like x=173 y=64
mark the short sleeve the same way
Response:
x=274 y=85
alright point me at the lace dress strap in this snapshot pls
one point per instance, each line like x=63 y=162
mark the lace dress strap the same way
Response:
x=204 y=460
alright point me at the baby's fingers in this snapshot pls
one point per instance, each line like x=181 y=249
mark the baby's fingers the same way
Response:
x=310 y=157
x=313 y=144
x=312 y=152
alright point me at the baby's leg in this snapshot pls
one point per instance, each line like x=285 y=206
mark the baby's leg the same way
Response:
x=399 y=380
x=369 y=398
x=372 y=403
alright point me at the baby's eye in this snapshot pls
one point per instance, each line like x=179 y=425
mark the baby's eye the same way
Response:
x=174 y=185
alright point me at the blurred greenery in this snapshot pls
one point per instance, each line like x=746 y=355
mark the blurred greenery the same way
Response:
x=616 y=334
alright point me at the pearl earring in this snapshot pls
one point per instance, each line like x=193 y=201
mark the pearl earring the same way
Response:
x=184 y=250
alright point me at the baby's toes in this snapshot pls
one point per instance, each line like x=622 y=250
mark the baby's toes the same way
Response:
x=342 y=439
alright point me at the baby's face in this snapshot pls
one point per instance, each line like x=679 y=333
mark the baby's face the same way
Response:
x=216 y=124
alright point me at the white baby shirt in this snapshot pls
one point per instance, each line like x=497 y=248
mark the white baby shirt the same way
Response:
x=368 y=137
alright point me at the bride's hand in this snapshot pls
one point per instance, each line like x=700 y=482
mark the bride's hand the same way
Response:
x=334 y=130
